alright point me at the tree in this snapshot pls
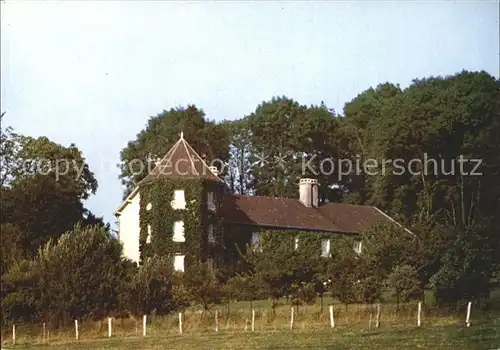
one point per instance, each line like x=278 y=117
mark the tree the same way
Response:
x=243 y=287
x=403 y=283
x=80 y=274
x=289 y=141
x=43 y=188
x=11 y=247
x=238 y=172
x=150 y=290
x=202 y=285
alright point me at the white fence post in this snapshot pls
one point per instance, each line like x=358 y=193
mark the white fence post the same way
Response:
x=144 y=318
x=467 y=320
x=44 y=332
x=332 y=320
x=370 y=321
x=291 y=319
x=76 y=329
x=13 y=334
x=246 y=324
x=109 y=327
x=253 y=320
x=180 y=322
x=216 y=320
x=419 y=313
x=377 y=320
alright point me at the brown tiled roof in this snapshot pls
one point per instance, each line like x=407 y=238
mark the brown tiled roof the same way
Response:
x=292 y=214
x=181 y=162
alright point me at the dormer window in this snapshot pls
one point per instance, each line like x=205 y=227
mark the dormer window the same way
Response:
x=179 y=232
x=357 y=246
x=210 y=233
x=210 y=201
x=179 y=201
x=255 y=242
x=325 y=248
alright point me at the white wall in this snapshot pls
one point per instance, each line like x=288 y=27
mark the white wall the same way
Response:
x=130 y=228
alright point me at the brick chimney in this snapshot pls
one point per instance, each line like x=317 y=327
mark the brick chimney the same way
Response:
x=308 y=192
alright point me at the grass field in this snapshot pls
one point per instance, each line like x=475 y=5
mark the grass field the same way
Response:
x=482 y=336
x=398 y=330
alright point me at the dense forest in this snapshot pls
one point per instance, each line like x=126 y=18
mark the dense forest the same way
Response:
x=59 y=261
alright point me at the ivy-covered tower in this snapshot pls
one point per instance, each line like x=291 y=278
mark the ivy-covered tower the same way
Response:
x=180 y=209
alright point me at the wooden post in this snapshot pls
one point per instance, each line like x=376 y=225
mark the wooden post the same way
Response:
x=291 y=319
x=332 y=320
x=13 y=334
x=144 y=318
x=253 y=320
x=419 y=313
x=377 y=320
x=76 y=329
x=467 y=320
x=246 y=324
x=180 y=322
x=109 y=327
x=43 y=331
x=370 y=321
x=216 y=320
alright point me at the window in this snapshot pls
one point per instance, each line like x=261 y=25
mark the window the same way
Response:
x=148 y=238
x=210 y=233
x=296 y=243
x=210 y=263
x=149 y=206
x=179 y=263
x=357 y=246
x=255 y=242
x=210 y=201
x=179 y=232
x=179 y=201
x=325 y=248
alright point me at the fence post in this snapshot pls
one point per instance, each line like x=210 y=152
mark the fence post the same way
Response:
x=332 y=320
x=370 y=321
x=419 y=312
x=43 y=331
x=144 y=318
x=246 y=324
x=76 y=329
x=13 y=334
x=180 y=322
x=377 y=320
x=216 y=320
x=109 y=327
x=291 y=319
x=253 y=320
x=467 y=320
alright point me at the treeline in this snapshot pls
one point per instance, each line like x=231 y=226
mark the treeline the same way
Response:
x=454 y=217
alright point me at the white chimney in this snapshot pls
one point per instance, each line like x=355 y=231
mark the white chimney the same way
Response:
x=308 y=192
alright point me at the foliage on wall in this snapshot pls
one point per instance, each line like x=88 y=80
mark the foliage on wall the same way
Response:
x=196 y=218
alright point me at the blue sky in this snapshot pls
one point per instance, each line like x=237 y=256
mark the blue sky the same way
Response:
x=92 y=73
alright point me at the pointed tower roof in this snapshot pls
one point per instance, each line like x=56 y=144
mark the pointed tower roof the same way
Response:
x=181 y=162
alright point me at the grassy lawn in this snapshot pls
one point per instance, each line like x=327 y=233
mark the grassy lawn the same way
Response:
x=480 y=336
x=440 y=330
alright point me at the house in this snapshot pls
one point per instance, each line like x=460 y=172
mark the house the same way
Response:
x=183 y=209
